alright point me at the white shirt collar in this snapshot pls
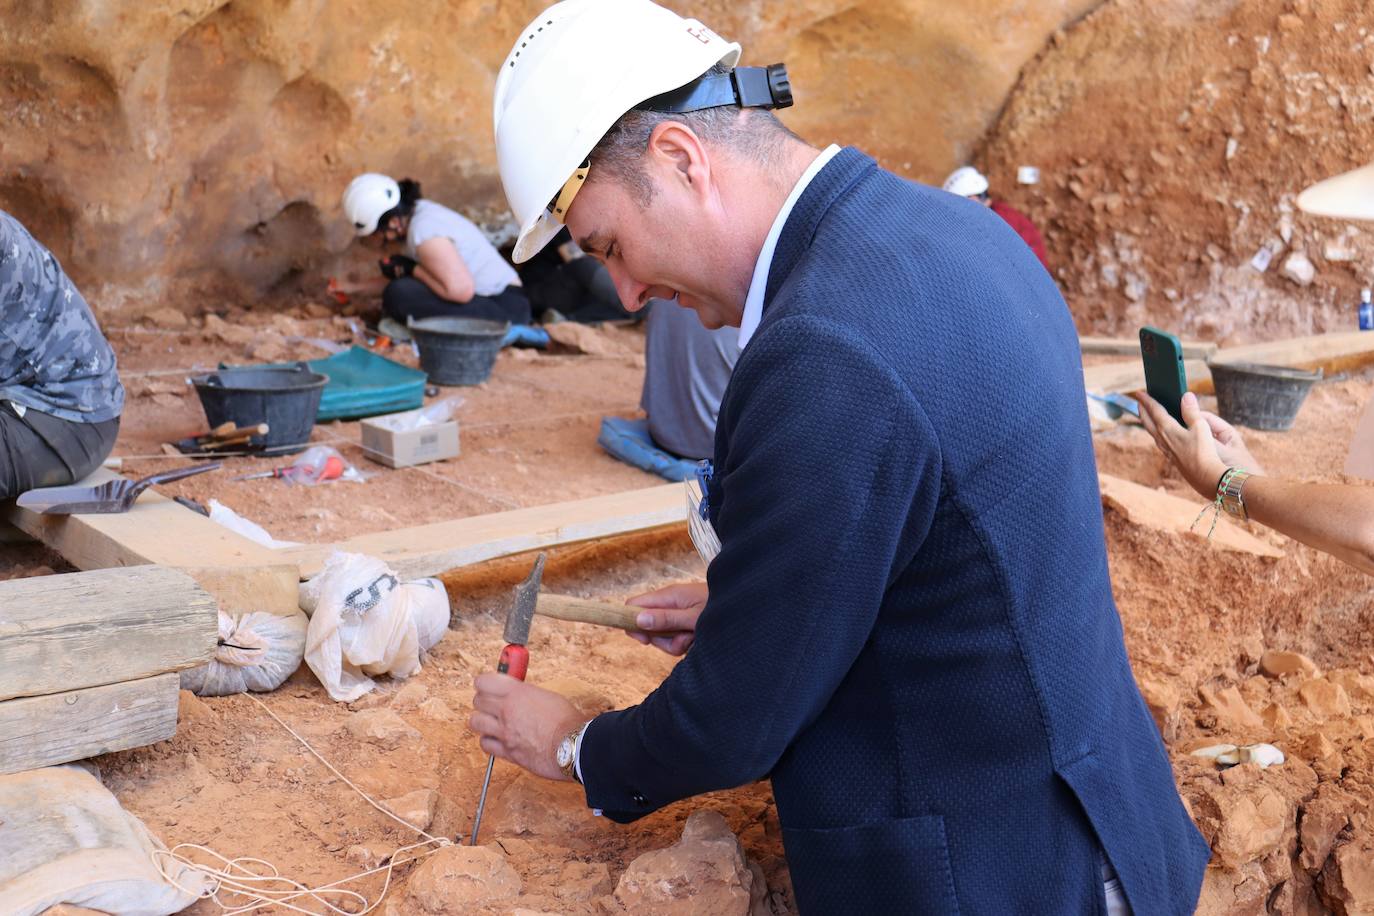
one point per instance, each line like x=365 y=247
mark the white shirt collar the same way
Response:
x=753 y=302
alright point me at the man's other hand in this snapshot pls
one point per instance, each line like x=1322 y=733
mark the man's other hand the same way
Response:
x=669 y=620
x=522 y=723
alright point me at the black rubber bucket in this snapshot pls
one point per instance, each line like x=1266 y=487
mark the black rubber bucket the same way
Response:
x=458 y=351
x=1261 y=397
x=286 y=399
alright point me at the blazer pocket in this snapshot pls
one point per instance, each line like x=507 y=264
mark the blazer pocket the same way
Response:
x=892 y=866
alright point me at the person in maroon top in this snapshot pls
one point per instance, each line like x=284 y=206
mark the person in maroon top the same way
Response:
x=971 y=183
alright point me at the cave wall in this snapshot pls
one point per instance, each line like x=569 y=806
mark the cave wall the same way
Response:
x=171 y=150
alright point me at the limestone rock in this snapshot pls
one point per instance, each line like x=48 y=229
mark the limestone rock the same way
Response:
x=582 y=338
x=584 y=881
x=1242 y=822
x=588 y=700
x=1299 y=268
x=220 y=329
x=168 y=318
x=1323 y=818
x=456 y=879
x=1162 y=699
x=705 y=872
x=1324 y=698
x=413 y=693
x=1277 y=663
x=415 y=807
x=1348 y=880
x=381 y=727
x=1230 y=707
x=1233 y=892
x=529 y=805
x=436 y=708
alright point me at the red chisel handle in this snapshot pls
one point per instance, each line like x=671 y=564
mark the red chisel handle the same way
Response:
x=515 y=661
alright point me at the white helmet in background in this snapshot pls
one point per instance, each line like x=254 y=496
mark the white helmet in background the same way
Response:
x=966 y=182
x=1348 y=196
x=570 y=76
x=369 y=196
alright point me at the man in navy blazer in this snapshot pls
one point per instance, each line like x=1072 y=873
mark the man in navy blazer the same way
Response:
x=908 y=626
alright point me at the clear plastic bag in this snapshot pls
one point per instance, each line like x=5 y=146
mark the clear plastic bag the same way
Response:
x=365 y=622
x=257 y=651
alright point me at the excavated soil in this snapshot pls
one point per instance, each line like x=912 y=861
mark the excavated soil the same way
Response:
x=1172 y=138
x=1295 y=838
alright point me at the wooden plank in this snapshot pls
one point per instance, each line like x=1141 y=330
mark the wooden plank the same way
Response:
x=88 y=629
x=1332 y=353
x=61 y=727
x=1129 y=375
x=432 y=549
x=157 y=531
x=1130 y=346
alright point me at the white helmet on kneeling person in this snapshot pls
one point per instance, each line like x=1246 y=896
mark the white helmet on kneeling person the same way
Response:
x=369 y=197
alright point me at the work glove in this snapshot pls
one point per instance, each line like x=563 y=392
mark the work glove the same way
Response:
x=397 y=266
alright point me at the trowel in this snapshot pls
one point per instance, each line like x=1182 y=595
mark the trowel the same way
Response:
x=107 y=498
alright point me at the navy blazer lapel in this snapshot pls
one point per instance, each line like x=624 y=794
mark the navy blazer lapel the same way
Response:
x=830 y=182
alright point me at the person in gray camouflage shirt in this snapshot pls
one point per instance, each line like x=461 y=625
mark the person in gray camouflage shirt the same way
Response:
x=60 y=396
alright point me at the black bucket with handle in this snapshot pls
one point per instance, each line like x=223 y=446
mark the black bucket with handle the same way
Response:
x=1261 y=397
x=286 y=398
x=458 y=351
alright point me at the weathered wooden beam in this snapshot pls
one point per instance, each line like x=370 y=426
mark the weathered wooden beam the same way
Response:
x=1129 y=375
x=1130 y=346
x=61 y=727
x=157 y=531
x=432 y=549
x=87 y=629
x=1339 y=352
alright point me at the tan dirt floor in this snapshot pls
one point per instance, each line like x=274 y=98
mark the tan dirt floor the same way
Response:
x=1194 y=617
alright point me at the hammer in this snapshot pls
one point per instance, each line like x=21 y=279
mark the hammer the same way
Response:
x=515 y=658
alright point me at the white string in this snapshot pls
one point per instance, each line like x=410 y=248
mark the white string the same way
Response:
x=258 y=882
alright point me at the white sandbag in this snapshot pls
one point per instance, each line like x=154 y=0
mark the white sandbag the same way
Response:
x=365 y=622
x=429 y=606
x=65 y=839
x=257 y=651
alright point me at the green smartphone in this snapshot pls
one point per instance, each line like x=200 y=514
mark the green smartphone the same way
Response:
x=1164 y=378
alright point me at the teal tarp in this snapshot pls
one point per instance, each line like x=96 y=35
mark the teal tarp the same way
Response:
x=363 y=384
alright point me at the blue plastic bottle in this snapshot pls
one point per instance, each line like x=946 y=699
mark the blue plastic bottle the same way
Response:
x=1366 y=311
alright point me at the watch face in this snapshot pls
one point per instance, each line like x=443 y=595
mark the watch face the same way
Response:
x=565 y=752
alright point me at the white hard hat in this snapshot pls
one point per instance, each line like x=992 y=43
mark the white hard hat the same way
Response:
x=369 y=196
x=966 y=182
x=1348 y=196
x=572 y=73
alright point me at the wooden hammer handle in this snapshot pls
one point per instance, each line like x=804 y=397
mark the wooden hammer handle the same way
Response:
x=585 y=610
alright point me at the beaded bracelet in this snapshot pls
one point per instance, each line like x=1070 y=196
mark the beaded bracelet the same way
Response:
x=1228 y=498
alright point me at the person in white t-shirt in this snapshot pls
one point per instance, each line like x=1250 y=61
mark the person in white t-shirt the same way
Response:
x=449 y=268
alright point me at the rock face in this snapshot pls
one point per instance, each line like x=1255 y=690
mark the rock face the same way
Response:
x=166 y=147
x=706 y=872
x=457 y=879
x=1160 y=225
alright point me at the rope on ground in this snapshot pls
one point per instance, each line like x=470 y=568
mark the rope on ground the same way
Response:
x=258 y=883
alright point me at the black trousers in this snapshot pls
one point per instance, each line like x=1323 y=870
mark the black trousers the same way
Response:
x=40 y=450
x=581 y=289
x=408 y=297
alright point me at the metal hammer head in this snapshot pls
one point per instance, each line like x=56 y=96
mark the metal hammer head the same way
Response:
x=522 y=611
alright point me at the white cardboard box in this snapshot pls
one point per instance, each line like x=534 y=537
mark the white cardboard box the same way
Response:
x=402 y=448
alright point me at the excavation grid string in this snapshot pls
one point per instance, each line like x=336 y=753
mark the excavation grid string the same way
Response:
x=258 y=884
